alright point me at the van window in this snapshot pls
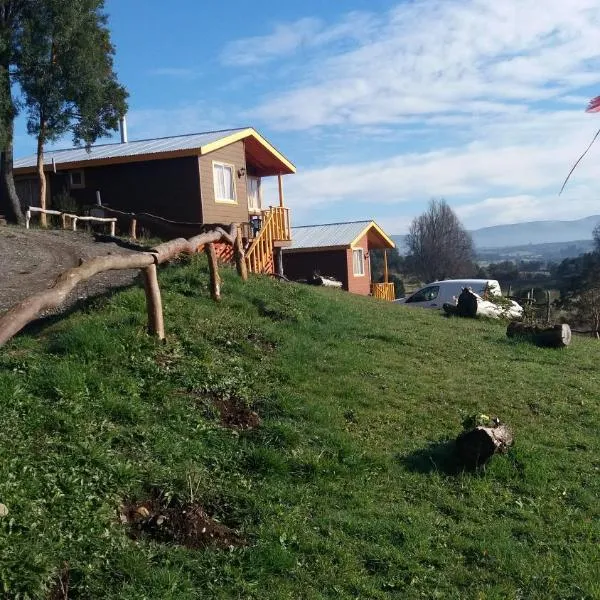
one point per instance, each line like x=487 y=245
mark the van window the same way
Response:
x=426 y=294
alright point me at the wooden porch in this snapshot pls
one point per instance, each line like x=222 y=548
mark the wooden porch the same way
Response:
x=383 y=291
x=271 y=231
x=386 y=290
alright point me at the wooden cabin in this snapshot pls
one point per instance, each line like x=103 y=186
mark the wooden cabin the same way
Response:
x=341 y=251
x=203 y=178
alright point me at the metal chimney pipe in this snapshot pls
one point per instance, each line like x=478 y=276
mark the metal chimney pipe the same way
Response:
x=123 y=128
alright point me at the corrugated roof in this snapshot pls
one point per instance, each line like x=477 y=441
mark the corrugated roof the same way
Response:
x=327 y=236
x=117 y=150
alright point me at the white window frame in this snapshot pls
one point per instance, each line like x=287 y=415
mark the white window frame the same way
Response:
x=361 y=262
x=233 y=175
x=254 y=209
x=77 y=186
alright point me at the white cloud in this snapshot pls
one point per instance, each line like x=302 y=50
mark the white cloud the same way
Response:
x=478 y=178
x=286 y=39
x=433 y=57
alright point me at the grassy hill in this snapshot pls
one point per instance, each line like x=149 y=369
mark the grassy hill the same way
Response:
x=347 y=489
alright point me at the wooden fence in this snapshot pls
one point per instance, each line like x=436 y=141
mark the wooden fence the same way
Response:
x=66 y=217
x=12 y=321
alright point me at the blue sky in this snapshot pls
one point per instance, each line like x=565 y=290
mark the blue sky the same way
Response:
x=381 y=104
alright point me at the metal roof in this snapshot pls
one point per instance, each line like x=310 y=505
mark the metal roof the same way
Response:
x=117 y=150
x=327 y=236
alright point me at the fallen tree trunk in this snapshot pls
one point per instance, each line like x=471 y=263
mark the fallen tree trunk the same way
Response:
x=477 y=446
x=557 y=336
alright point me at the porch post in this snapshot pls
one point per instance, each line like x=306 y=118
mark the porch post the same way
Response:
x=279 y=261
x=280 y=182
x=385 y=267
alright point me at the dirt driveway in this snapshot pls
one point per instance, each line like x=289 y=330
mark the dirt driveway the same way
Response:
x=31 y=260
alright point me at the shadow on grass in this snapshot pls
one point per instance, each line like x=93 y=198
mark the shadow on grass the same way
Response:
x=438 y=457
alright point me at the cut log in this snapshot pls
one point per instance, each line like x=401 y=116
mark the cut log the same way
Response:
x=557 y=336
x=476 y=447
x=466 y=305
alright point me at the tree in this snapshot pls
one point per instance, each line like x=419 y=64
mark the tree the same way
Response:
x=11 y=17
x=66 y=75
x=439 y=246
x=596 y=237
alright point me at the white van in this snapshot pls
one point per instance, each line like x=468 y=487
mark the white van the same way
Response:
x=438 y=293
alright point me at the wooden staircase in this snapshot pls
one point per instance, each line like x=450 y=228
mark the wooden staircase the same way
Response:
x=260 y=256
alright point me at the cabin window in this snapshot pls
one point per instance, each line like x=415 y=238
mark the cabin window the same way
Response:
x=254 y=194
x=76 y=179
x=224 y=182
x=358 y=261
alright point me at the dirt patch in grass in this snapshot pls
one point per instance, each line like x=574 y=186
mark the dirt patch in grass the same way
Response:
x=235 y=414
x=186 y=525
x=60 y=588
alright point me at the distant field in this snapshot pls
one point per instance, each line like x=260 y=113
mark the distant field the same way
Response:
x=347 y=489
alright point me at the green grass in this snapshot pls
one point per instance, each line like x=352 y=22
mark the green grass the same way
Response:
x=347 y=490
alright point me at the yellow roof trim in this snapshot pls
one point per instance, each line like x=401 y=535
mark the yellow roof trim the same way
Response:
x=378 y=229
x=240 y=135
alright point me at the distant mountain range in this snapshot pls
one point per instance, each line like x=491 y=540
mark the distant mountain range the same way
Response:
x=523 y=234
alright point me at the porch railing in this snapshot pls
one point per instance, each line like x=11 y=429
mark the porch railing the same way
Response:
x=280 y=215
x=383 y=291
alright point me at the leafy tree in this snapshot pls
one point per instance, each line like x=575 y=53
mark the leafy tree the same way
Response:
x=596 y=238
x=11 y=18
x=66 y=75
x=439 y=246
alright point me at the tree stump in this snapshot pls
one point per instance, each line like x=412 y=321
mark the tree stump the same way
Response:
x=466 y=305
x=557 y=336
x=476 y=447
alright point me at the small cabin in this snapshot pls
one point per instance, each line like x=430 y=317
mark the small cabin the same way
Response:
x=186 y=180
x=338 y=250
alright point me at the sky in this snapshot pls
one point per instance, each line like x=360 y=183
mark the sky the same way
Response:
x=382 y=105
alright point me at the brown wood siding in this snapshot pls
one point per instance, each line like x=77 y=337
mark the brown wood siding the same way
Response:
x=302 y=265
x=221 y=212
x=359 y=284
x=168 y=188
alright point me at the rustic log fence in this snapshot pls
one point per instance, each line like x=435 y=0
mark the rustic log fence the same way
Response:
x=74 y=219
x=16 y=318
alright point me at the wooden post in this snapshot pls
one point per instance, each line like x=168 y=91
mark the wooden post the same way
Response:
x=238 y=253
x=385 y=268
x=133 y=228
x=63 y=220
x=279 y=261
x=27 y=218
x=280 y=182
x=156 y=324
x=74 y=223
x=112 y=228
x=215 y=280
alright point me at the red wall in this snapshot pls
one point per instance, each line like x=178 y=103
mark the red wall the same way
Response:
x=358 y=284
